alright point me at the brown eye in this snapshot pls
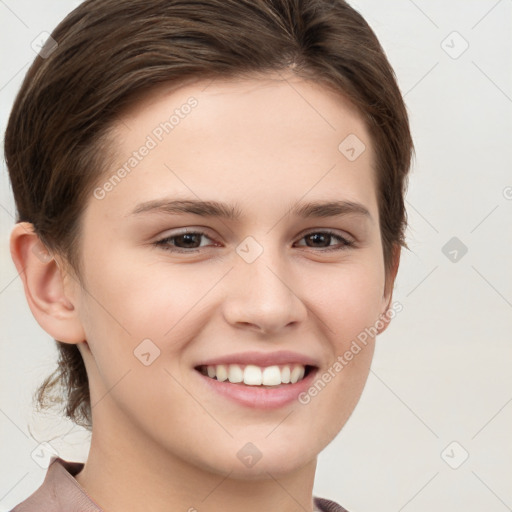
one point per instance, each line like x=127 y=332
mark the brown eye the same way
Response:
x=182 y=242
x=322 y=239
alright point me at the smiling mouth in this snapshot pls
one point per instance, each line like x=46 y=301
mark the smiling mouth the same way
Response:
x=252 y=375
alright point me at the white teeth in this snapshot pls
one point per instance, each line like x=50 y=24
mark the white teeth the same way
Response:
x=271 y=376
x=297 y=374
x=252 y=375
x=221 y=372
x=235 y=373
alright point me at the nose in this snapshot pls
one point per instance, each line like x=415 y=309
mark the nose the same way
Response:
x=264 y=295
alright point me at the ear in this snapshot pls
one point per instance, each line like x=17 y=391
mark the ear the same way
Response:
x=49 y=291
x=388 y=289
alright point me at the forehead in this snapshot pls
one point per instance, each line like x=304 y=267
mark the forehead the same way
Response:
x=272 y=92
x=272 y=136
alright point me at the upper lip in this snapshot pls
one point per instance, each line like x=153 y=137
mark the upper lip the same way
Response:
x=262 y=359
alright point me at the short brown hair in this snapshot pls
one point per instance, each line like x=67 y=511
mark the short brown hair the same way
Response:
x=111 y=51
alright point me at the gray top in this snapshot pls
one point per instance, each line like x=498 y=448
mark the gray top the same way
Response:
x=60 y=492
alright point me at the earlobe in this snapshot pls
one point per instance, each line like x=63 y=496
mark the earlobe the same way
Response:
x=49 y=299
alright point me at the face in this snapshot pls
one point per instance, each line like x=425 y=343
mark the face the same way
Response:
x=178 y=296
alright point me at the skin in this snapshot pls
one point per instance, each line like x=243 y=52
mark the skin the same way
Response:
x=160 y=440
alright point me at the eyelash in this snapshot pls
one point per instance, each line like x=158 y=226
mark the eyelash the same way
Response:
x=164 y=242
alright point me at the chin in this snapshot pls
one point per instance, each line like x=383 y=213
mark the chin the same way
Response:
x=257 y=460
x=264 y=469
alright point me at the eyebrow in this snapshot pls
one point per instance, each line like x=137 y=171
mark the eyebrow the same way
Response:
x=315 y=209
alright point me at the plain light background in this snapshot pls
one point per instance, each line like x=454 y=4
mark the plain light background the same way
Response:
x=432 y=430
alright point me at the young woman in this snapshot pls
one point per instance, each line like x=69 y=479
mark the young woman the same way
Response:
x=210 y=201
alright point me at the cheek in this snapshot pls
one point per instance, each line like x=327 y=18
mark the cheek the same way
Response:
x=146 y=300
x=349 y=297
x=350 y=306
x=130 y=303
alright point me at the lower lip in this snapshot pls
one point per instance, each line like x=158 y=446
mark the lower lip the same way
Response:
x=260 y=397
